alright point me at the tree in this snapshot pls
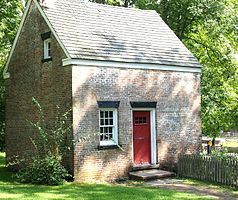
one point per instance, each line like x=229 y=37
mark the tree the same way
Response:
x=209 y=29
x=212 y=40
x=10 y=12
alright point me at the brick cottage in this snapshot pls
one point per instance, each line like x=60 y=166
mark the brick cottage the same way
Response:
x=122 y=72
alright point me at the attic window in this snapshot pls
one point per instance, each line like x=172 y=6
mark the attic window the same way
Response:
x=46 y=37
x=47 y=48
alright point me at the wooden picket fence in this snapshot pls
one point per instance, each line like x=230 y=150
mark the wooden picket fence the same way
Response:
x=207 y=168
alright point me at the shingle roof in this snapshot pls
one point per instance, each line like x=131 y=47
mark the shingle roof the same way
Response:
x=102 y=32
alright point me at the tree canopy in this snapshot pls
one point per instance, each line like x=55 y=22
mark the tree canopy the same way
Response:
x=209 y=28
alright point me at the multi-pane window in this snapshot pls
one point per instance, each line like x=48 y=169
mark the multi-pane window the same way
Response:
x=108 y=126
x=47 y=48
x=140 y=120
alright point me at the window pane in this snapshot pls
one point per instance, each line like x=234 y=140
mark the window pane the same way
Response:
x=101 y=114
x=144 y=120
x=111 y=121
x=106 y=114
x=101 y=122
x=110 y=129
x=110 y=136
x=106 y=130
x=111 y=114
x=140 y=120
x=106 y=137
x=106 y=122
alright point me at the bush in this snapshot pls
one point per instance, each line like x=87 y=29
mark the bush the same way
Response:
x=48 y=170
x=51 y=144
x=2 y=136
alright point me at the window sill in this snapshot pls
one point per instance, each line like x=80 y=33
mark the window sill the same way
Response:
x=46 y=59
x=100 y=147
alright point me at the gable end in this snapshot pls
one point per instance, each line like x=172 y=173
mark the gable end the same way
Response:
x=6 y=74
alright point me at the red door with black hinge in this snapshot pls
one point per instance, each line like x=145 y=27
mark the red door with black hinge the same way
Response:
x=141 y=137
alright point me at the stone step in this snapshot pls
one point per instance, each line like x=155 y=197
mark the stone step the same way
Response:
x=144 y=167
x=150 y=174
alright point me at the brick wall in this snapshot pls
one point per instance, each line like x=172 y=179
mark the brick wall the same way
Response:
x=48 y=82
x=178 y=124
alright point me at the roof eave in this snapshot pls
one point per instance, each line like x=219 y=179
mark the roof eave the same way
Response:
x=131 y=65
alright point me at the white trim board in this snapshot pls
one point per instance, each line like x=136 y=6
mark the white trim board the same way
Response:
x=100 y=63
x=6 y=74
x=51 y=28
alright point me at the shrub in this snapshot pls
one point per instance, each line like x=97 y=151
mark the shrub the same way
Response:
x=45 y=165
x=2 y=115
x=45 y=171
x=48 y=170
x=2 y=135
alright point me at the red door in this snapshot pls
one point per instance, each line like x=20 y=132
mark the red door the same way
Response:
x=141 y=137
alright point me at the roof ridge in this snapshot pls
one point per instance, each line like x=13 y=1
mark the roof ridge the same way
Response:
x=111 y=6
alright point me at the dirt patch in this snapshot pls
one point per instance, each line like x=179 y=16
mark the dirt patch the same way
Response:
x=180 y=185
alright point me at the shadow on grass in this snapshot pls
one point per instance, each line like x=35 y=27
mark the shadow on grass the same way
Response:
x=5 y=175
x=97 y=192
x=9 y=189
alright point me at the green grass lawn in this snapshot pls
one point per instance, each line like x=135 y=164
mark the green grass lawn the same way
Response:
x=230 y=143
x=9 y=189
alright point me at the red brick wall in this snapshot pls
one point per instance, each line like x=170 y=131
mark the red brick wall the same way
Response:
x=48 y=82
x=178 y=124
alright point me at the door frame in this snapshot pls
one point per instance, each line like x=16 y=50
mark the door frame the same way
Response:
x=152 y=133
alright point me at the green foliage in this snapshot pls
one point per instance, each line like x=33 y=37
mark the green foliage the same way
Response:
x=52 y=139
x=10 y=12
x=221 y=153
x=209 y=29
x=45 y=171
x=2 y=137
x=212 y=40
x=45 y=166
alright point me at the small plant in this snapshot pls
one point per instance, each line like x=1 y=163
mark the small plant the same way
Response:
x=48 y=170
x=219 y=152
x=45 y=166
x=2 y=136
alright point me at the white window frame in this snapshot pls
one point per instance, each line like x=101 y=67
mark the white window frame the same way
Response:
x=46 y=48
x=115 y=128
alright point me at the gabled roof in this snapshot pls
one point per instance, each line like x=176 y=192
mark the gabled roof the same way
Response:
x=89 y=31
x=102 y=32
